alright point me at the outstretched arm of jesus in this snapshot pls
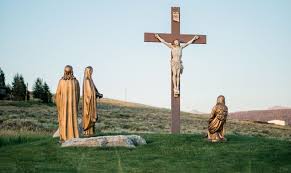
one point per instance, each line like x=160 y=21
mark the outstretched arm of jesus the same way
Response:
x=191 y=41
x=163 y=41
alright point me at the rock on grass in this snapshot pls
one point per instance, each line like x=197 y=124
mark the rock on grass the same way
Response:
x=128 y=141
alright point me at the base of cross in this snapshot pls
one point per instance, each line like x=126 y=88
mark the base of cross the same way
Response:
x=175 y=110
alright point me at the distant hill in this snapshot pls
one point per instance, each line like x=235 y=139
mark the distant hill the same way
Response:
x=278 y=107
x=194 y=111
x=264 y=115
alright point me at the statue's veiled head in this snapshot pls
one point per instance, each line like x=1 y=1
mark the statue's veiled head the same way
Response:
x=221 y=100
x=88 y=72
x=176 y=42
x=68 y=73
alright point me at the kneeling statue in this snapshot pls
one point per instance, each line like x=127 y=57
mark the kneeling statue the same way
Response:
x=217 y=120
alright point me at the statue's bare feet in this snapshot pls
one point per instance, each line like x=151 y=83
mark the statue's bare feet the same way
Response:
x=176 y=93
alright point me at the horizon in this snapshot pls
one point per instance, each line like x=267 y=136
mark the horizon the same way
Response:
x=246 y=58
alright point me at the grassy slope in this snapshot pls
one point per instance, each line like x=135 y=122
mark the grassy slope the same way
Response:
x=116 y=116
x=26 y=144
x=163 y=153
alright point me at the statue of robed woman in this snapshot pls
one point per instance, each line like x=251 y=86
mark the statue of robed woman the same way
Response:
x=90 y=95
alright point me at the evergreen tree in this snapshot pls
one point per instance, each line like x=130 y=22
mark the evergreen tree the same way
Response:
x=46 y=95
x=9 y=91
x=18 y=88
x=2 y=79
x=3 y=89
x=41 y=91
x=38 y=89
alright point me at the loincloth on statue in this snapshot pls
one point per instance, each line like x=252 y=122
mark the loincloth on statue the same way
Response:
x=177 y=66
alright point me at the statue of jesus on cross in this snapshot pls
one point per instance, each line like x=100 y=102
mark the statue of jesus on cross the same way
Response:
x=176 y=60
x=173 y=40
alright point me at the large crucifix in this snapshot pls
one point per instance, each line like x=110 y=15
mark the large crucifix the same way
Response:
x=173 y=41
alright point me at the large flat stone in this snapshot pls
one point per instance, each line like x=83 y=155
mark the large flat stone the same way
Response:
x=129 y=141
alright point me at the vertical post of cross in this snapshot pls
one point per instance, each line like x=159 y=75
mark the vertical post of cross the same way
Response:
x=175 y=100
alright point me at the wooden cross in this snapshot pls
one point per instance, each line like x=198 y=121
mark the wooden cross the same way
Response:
x=183 y=38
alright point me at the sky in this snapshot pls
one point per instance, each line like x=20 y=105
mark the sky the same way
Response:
x=247 y=57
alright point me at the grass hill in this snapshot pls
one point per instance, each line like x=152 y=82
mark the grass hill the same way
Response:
x=118 y=116
x=26 y=143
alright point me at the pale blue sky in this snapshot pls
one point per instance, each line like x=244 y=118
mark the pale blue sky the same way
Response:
x=247 y=57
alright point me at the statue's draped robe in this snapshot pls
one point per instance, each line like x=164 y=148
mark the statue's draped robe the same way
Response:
x=89 y=106
x=216 y=122
x=67 y=99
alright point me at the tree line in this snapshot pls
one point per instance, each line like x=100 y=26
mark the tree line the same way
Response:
x=18 y=89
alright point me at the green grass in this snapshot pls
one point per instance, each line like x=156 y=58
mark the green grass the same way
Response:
x=163 y=153
x=8 y=140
